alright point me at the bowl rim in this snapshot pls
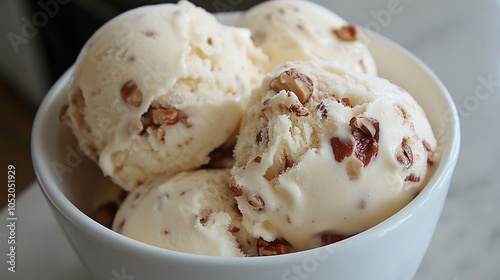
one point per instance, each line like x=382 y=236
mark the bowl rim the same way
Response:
x=65 y=207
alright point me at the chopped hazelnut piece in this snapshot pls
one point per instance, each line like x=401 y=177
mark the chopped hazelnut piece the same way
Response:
x=365 y=131
x=294 y=81
x=402 y=112
x=235 y=230
x=405 y=154
x=131 y=94
x=341 y=149
x=412 y=178
x=322 y=109
x=205 y=218
x=346 y=33
x=430 y=153
x=346 y=102
x=164 y=116
x=366 y=147
x=237 y=190
x=258 y=137
x=368 y=125
x=149 y=33
x=256 y=201
x=299 y=110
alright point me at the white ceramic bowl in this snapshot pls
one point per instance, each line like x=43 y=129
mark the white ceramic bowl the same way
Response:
x=392 y=250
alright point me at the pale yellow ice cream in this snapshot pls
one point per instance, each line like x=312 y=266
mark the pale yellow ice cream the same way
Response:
x=324 y=153
x=158 y=88
x=289 y=30
x=192 y=212
x=325 y=150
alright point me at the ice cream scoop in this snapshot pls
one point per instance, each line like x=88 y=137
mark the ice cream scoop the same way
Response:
x=192 y=212
x=288 y=30
x=324 y=153
x=158 y=88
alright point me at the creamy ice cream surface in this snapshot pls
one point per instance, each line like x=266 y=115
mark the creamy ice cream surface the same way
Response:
x=158 y=88
x=288 y=30
x=323 y=148
x=324 y=153
x=192 y=212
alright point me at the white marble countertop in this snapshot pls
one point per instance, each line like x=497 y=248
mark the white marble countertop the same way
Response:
x=460 y=42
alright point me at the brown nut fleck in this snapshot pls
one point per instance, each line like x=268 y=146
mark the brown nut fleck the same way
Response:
x=405 y=154
x=206 y=217
x=276 y=247
x=256 y=201
x=368 y=125
x=299 y=110
x=346 y=102
x=164 y=116
x=402 y=113
x=412 y=178
x=235 y=230
x=346 y=33
x=366 y=147
x=131 y=94
x=341 y=149
x=430 y=152
x=149 y=33
x=237 y=190
x=322 y=110
x=296 y=82
x=365 y=131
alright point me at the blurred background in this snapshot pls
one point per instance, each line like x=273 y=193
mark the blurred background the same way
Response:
x=40 y=39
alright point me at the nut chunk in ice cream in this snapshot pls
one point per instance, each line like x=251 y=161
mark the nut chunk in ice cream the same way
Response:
x=158 y=88
x=289 y=30
x=324 y=153
x=192 y=212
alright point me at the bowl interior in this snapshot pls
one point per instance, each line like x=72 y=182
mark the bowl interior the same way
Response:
x=70 y=180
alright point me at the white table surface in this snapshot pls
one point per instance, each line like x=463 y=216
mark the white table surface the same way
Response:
x=460 y=41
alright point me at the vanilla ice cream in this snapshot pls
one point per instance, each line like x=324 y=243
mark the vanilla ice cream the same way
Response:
x=324 y=153
x=288 y=30
x=158 y=88
x=192 y=212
